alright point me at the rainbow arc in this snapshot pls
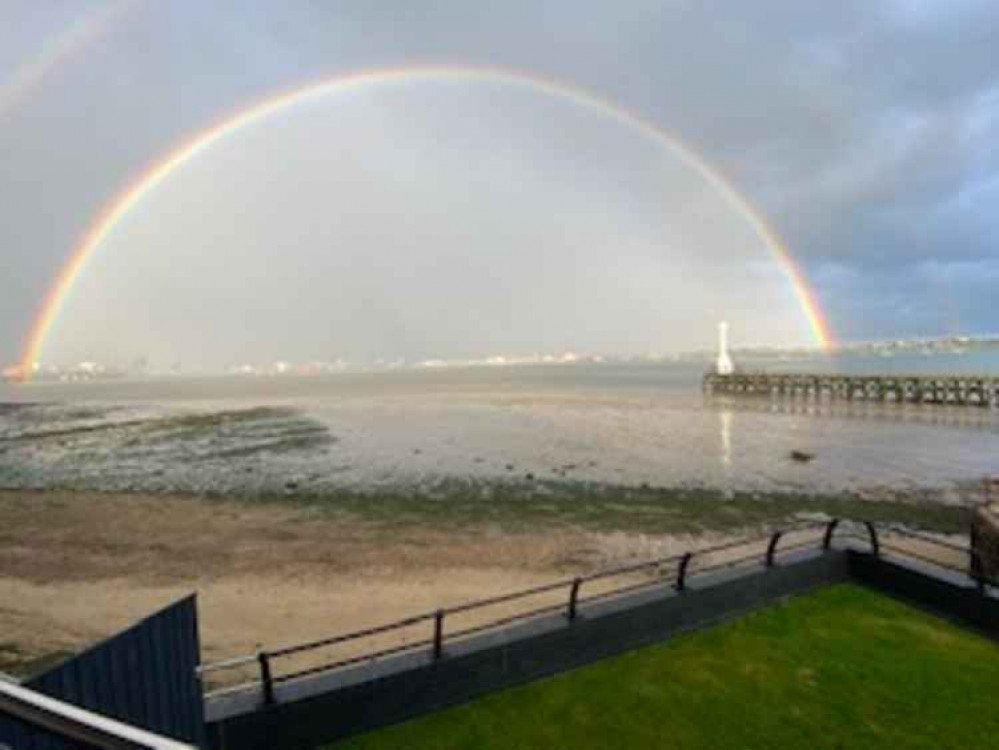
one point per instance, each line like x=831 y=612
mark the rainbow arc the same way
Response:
x=145 y=184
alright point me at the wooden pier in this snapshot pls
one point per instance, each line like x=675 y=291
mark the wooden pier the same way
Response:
x=957 y=390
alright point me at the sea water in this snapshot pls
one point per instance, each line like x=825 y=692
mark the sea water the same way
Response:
x=620 y=423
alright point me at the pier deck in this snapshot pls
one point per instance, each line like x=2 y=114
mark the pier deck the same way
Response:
x=957 y=390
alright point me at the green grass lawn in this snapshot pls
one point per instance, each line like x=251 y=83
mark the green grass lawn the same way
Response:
x=841 y=668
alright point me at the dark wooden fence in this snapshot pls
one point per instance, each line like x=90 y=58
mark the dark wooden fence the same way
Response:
x=145 y=676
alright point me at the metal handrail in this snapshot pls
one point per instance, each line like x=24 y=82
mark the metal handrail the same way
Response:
x=361 y=658
x=504 y=598
x=635 y=568
x=353 y=636
x=926 y=538
x=77 y=724
x=508 y=620
x=682 y=573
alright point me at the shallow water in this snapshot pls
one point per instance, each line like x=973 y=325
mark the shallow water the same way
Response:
x=611 y=423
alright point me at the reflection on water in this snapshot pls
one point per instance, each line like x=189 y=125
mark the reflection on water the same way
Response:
x=725 y=430
x=930 y=414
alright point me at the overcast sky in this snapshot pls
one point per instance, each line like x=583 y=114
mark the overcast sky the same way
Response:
x=443 y=218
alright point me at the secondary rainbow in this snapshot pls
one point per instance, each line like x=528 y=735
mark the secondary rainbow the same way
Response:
x=159 y=171
x=59 y=50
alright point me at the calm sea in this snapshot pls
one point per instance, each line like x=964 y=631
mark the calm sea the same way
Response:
x=621 y=423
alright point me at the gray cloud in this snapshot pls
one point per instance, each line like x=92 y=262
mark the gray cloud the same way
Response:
x=865 y=132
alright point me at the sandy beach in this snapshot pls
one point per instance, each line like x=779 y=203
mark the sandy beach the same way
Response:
x=76 y=567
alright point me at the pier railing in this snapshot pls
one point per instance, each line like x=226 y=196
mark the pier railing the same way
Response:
x=431 y=633
x=957 y=390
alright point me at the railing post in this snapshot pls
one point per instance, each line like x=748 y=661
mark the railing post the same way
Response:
x=574 y=597
x=873 y=534
x=772 y=548
x=830 y=530
x=681 y=572
x=265 y=677
x=438 y=634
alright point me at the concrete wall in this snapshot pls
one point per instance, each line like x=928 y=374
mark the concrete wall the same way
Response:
x=949 y=595
x=331 y=707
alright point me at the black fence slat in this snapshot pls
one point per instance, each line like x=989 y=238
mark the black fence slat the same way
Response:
x=88 y=684
x=23 y=736
x=197 y=702
x=118 y=706
x=134 y=686
x=150 y=675
x=183 y=661
x=12 y=732
x=179 y=658
x=104 y=674
x=159 y=631
x=19 y=734
x=67 y=678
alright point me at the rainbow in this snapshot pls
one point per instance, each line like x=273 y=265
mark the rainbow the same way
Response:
x=61 y=48
x=159 y=171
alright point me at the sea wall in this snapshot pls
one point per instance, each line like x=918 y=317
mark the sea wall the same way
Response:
x=330 y=707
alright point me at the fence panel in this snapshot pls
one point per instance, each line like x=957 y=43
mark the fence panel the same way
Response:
x=144 y=676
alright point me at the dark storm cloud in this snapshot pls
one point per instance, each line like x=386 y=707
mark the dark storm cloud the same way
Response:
x=865 y=131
